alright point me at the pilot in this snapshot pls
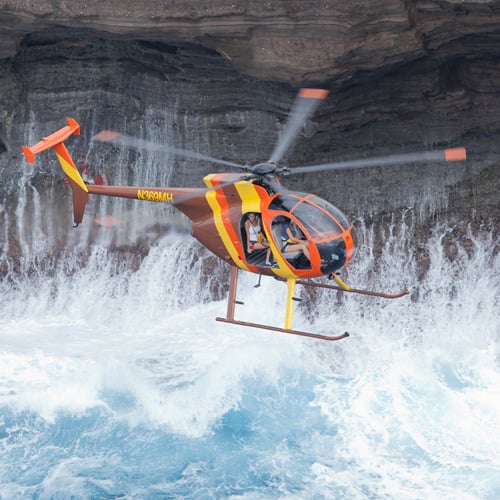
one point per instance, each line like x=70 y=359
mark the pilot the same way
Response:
x=255 y=237
x=290 y=242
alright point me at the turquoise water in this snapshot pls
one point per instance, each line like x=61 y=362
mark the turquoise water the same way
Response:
x=118 y=383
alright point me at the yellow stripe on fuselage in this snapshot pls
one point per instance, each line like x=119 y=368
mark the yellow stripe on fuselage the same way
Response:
x=249 y=196
x=252 y=203
x=217 y=211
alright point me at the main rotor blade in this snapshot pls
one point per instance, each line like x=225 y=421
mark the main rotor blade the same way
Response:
x=454 y=154
x=304 y=106
x=133 y=142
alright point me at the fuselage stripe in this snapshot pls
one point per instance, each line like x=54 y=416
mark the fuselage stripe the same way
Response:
x=219 y=205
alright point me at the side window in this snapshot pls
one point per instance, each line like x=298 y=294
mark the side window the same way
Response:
x=251 y=228
x=253 y=237
x=296 y=252
x=277 y=226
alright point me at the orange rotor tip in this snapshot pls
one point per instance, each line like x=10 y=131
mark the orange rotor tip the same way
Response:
x=105 y=135
x=107 y=221
x=313 y=93
x=455 y=154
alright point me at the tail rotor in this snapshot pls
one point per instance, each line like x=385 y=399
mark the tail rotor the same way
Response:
x=75 y=180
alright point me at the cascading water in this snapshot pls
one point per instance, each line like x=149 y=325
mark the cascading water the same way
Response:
x=116 y=382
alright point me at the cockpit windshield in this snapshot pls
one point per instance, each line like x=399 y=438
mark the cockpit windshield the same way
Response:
x=331 y=209
x=320 y=219
x=324 y=226
x=286 y=202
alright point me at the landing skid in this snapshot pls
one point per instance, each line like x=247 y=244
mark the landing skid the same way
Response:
x=231 y=303
x=344 y=288
x=283 y=330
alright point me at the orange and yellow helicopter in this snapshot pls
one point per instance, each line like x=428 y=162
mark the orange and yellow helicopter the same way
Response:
x=307 y=236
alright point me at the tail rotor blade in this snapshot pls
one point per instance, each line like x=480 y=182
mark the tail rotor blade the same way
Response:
x=455 y=154
x=304 y=106
x=118 y=139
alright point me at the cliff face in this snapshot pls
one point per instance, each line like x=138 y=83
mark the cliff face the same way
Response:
x=289 y=41
x=219 y=78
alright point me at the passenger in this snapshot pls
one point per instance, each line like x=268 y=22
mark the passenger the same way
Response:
x=255 y=237
x=291 y=243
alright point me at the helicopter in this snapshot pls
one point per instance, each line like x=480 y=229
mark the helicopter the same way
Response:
x=218 y=213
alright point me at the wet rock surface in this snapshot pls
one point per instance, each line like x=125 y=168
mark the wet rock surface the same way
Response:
x=219 y=78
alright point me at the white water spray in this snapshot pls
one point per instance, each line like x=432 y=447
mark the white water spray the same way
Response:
x=407 y=406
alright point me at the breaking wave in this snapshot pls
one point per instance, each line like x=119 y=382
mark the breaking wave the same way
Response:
x=116 y=381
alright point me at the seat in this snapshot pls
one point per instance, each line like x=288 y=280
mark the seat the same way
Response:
x=256 y=257
x=277 y=231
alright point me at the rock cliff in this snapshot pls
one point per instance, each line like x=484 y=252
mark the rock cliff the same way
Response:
x=219 y=78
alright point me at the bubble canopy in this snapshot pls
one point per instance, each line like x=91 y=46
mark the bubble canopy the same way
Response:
x=322 y=224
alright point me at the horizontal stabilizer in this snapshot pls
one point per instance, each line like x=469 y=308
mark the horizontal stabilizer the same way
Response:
x=52 y=140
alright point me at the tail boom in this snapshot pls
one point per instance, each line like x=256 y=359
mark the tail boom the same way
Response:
x=185 y=199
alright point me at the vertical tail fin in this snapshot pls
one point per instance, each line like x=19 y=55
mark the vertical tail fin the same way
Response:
x=56 y=142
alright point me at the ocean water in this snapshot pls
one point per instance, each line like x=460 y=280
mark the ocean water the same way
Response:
x=116 y=381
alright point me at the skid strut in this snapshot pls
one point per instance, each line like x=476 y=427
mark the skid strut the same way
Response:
x=231 y=303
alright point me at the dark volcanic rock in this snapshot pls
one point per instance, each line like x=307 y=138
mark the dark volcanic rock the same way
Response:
x=286 y=40
x=298 y=41
x=219 y=78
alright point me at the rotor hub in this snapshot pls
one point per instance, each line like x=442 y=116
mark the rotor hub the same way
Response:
x=264 y=169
